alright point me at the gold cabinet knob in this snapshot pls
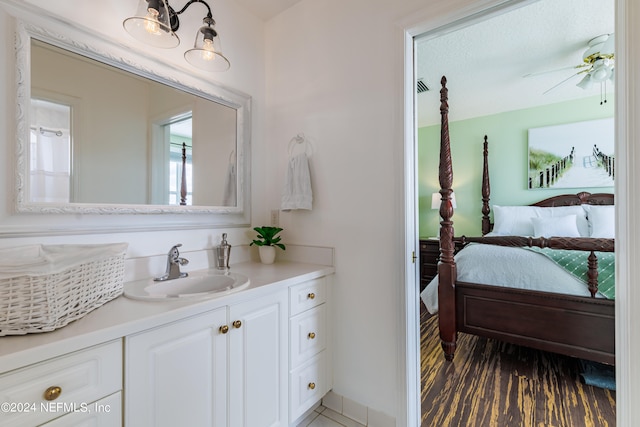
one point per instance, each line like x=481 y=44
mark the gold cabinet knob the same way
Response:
x=312 y=386
x=236 y=324
x=312 y=335
x=311 y=295
x=52 y=393
x=224 y=329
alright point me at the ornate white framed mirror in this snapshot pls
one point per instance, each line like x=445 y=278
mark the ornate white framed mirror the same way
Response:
x=105 y=132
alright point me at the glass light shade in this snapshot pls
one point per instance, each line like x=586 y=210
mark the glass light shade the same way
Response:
x=151 y=24
x=601 y=70
x=206 y=54
x=586 y=82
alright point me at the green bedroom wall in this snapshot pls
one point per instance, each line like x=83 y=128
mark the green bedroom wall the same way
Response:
x=507 y=136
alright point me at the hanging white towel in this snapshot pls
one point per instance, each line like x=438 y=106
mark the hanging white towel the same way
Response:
x=297 y=184
x=229 y=196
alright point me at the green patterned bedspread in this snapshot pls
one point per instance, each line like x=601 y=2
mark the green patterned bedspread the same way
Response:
x=575 y=262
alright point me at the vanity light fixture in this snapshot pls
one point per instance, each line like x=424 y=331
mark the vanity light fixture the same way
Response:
x=156 y=23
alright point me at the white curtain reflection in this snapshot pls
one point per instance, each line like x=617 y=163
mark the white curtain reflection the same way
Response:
x=50 y=152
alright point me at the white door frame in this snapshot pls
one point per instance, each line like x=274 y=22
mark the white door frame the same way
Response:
x=446 y=15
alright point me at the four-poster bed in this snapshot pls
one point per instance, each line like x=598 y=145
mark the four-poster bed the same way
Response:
x=575 y=325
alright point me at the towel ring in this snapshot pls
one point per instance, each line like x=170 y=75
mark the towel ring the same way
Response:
x=300 y=139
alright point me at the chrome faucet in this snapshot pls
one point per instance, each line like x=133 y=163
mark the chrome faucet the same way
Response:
x=173 y=265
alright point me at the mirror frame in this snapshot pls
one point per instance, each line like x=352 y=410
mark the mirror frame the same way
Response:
x=109 y=53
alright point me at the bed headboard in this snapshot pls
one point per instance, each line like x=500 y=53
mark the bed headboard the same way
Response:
x=582 y=198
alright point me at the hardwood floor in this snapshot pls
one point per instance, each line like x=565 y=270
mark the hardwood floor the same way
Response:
x=491 y=383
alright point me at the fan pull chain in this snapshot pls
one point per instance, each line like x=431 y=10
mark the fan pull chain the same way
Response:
x=605 y=93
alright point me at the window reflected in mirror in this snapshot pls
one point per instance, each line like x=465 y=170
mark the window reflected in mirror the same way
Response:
x=50 y=152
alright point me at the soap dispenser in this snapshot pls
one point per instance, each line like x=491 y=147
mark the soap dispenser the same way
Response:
x=223 y=252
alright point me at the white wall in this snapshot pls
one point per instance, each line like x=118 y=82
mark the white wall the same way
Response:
x=334 y=72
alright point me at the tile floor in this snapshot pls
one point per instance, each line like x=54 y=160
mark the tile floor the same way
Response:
x=325 y=417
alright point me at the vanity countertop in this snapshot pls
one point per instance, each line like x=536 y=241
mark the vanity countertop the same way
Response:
x=123 y=316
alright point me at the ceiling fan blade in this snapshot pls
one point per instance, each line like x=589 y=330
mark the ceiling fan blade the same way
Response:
x=540 y=73
x=561 y=83
x=608 y=47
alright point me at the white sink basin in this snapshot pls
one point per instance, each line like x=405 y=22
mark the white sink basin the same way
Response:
x=198 y=284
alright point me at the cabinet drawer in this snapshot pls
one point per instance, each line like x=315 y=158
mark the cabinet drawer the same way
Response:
x=105 y=412
x=82 y=377
x=307 y=385
x=308 y=334
x=307 y=295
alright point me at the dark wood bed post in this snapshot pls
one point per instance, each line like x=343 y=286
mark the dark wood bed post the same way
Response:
x=486 y=189
x=183 y=180
x=446 y=266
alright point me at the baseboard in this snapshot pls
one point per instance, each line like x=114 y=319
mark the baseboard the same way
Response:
x=357 y=412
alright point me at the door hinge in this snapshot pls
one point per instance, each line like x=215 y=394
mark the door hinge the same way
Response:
x=413 y=257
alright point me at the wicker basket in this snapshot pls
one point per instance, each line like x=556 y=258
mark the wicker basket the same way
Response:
x=43 y=302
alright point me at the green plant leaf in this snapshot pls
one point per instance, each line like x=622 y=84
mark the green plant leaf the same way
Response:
x=267 y=236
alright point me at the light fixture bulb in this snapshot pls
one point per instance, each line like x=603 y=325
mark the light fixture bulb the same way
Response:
x=151 y=23
x=208 y=52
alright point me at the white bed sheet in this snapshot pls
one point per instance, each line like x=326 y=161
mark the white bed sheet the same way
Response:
x=506 y=266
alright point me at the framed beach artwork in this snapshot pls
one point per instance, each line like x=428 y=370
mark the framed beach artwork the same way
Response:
x=573 y=155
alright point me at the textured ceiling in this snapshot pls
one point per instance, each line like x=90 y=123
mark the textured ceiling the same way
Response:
x=485 y=63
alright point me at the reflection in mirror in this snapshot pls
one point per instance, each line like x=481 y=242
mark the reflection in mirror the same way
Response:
x=180 y=163
x=50 y=152
x=122 y=137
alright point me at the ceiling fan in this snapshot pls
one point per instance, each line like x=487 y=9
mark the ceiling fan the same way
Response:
x=597 y=67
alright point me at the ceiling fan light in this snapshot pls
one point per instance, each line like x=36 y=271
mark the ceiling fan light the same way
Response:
x=151 y=24
x=600 y=72
x=586 y=82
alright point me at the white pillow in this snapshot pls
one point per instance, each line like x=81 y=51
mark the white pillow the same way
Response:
x=602 y=220
x=516 y=220
x=560 y=211
x=563 y=226
x=513 y=220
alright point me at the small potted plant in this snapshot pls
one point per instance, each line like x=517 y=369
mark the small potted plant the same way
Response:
x=266 y=241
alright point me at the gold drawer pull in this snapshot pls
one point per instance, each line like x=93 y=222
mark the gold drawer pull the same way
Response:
x=52 y=393
x=312 y=335
x=236 y=324
x=311 y=295
x=224 y=329
x=312 y=386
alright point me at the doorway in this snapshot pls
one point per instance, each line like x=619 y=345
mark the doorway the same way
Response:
x=424 y=191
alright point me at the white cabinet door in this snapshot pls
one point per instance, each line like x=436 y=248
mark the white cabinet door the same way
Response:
x=176 y=375
x=258 y=360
